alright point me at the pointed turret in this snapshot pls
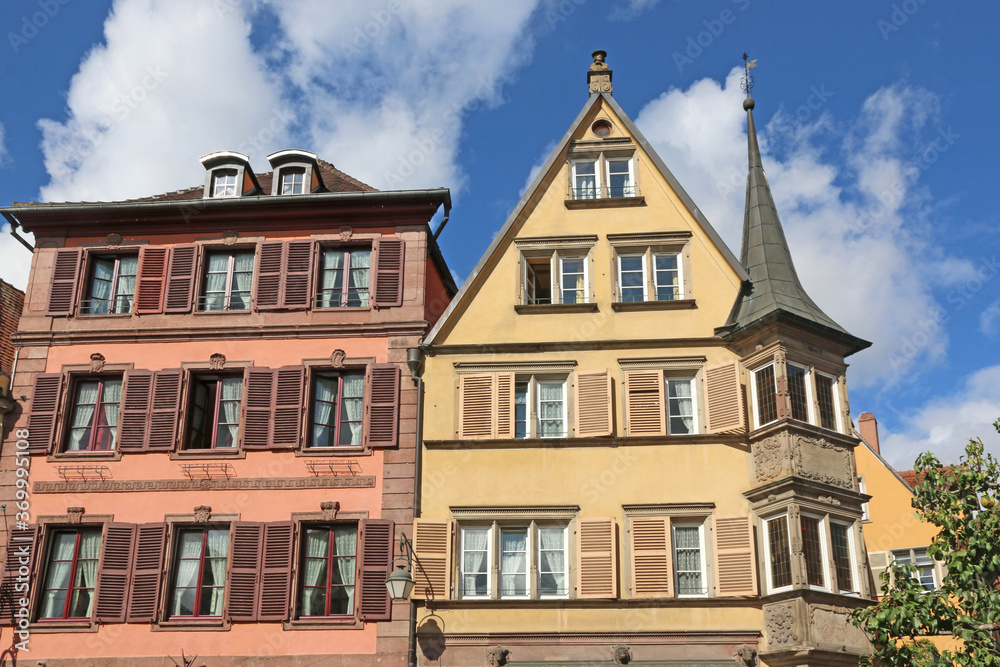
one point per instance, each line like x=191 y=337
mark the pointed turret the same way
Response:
x=774 y=290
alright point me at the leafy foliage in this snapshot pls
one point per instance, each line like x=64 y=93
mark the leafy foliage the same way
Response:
x=962 y=500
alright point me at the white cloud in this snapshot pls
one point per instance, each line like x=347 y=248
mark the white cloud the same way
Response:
x=626 y=10
x=945 y=425
x=989 y=319
x=3 y=146
x=858 y=216
x=537 y=167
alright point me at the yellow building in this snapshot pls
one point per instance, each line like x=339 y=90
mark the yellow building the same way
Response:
x=636 y=447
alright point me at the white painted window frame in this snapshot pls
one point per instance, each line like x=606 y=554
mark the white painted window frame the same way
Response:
x=700 y=523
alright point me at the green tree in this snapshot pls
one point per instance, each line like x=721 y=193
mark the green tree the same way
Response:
x=962 y=501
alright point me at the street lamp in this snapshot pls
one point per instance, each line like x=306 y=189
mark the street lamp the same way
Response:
x=400 y=581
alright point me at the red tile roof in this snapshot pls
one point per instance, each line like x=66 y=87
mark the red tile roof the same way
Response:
x=910 y=477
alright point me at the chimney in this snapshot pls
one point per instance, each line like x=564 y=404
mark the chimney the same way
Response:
x=599 y=76
x=869 y=429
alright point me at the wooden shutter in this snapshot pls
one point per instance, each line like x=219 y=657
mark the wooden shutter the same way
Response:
x=133 y=431
x=382 y=426
x=180 y=279
x=151 y=280
x=113 y=572
x=270 y=268
x=389 y=273
x=288 y=393
x=724 y=398
x=476 y=406
x=44 y=412
x=432 y=541
x=297 y=292
x=166 y=407
x=276 y=571
x=644 y=405
x=593 y=403
x=652 y=558
x=147 y=565
x=244 y=570
x=256 y=431
x=504 y=401
x=21 y=542
x=597 y=558
x=735 y=563
x=65 y=282
x=373 y=568
x=879 y=562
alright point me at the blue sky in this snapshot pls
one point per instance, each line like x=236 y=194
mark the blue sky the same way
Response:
x=876 y=121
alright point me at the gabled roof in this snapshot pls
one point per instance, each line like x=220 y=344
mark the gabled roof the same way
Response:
x=498 y=241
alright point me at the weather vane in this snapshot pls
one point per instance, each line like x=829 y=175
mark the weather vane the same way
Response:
x=747 y=82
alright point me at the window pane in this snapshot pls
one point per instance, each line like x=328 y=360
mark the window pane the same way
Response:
x=687 y=560
x=242 y=283
x=514 y=562
x=551 y=422
x=352 y=409
x=842 y=556
x=98 y=299
x=316 y=547
x=324 y=411
x=292 y=181
x=552 y=560
x=781 y=563
x=106 y=422
x=82 y=421
x=227 y=434
x=357 y=287
x=633 y=278
x=619 y=181
x=667 y=278
x=925 y=568
x=797 y=392
x=812 y=550
x=573 y=287
x=521 y=410
x=767 y=402
x=680 y=404
x=538 y=277
x=475 y=561
x=342 y=568
x=125 y=287
x=827 y=406
x=585 y=180
x=331 y=284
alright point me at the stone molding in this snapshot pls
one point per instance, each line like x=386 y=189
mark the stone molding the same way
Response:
x=249 y=483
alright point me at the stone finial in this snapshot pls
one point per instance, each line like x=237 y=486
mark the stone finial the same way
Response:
x=599 y=76
x=96 y=362
x=75 y=514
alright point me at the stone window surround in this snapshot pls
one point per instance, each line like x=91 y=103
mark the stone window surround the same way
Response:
x=650 y=243
x=600 y=150
x=327 y=364
x=188 y=368
x=550 y=246
x=71 y=373
x=689 y=513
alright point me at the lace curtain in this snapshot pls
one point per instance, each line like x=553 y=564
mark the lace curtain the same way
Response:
x=323 y=401
x=57 y=576
x=681 y=406
x=332 y=280
x=352 y=410
x=218 y=552
x=125 y=290
x=474 y=561
x=358 y=285
x=83 y=415
x=229 y=420
x=345 y=542
x=552 y=561
x=513 y=563
x=688 y=552
x=314 y=576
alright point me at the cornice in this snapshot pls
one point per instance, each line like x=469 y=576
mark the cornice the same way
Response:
x=574 y=345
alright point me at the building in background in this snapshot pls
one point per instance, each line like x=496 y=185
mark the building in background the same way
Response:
x=221 y=438
x=11 y=304
x=637 y=447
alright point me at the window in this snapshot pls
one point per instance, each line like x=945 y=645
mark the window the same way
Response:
x=765 y=395
x=602 y=177
x=843 y=560
x=228 y=281
x=826 y=397
x=922 y=563
x=215 y=411
x=585 y=185
x=112 y=285
x=329 y=555
x=70 y=574
x=554 y=278
x=540 y=408
x=293 y=181
x=337 y=409
x=199 y=578
x=530 y=559
x=779 y=558
x=650 y=276
x=620 y=181
x=93 y=423
x=681 y=409
x=224 y=183
x=822 y=538
x=863 y=488
x=812 y=550
x=344 y=278
x=798 y=392
x=689 y=559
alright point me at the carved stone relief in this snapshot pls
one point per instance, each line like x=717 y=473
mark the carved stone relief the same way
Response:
x=779 y=624
x=202 y=513
x=330 y=509
x=832 y=625
x=820 y=460
x=745 y=655
x=337 y=358
x=217 y=361
x=621 y=654
x=96 y=362
x=497 y=656
x=75 y=514
x=769 y=456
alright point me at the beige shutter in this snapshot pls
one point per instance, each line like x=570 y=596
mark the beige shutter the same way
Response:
x=724 y=398
x=645 y=411
x=735 y=563
x=597 y=558
x=522 y=278
x=476 y=406
x=652 y=574
x=432 y=541
x=878 y=562
x=593 y=403
x=504 y=384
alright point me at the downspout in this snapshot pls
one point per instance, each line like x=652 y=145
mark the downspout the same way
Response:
x=13 y=231
x=444 y=221
x=414 y=358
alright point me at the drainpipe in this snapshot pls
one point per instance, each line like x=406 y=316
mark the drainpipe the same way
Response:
x=13 y=231
x=414 y=359
x=444 y=221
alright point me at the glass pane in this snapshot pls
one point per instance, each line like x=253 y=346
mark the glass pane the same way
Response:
x=842 y=556
x=687 y=560
x=767 y=402
x=521 y=410
x=619 y=182
x=812 y=550
x=780 y=558
x=827 y=407
x=667 y=277
x=797 y=392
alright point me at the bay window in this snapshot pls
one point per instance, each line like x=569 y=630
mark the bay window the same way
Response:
x=828 y=560
x=329 y=557
x=812 y=395
x=198 y=585
x=94 y=413
x=70 y=574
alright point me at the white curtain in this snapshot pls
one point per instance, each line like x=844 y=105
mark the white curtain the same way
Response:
x=86 y=574
x=242 y=281
x=474 y=561
x=314 y=599
x=125 y=290
x=218 y=552
x=550 y=408
x=83 y=415
x=100 y=287
x=552 y=561
x=229 y=423
x=186 y=579
x=323 y=402
x=513 y=566
x=345 y=544
x=111 y=402
x=333 y=277
x=353 y=408
x=681 y=407
x=215 y=285
x=358 y=287
x=687 y=547
x=57 y=576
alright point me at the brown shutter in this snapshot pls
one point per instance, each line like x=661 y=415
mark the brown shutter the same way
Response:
x=504 y=383
x=147 y=566
x=476 y=406
x=65 y=282
x=44 y=412
x=373 y=568
x=256 y=431
x=652 y=559
x=288 y=392
x=180 y=279
x=133 y=431
x=113 y=572
x=724 y=398
x=276 y=571
x=432 y=540
x=597 y=558
x=244 y=570
x=270 y=268
x=646 y=412
x=21 y=543
x=736 y=566
x=593 y=403
x=879 y=562
x=297 y=293
x=383 y=406
x=166 y=407
x=389 y=274
x=151 y=280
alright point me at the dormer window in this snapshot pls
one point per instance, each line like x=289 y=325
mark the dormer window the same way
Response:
x=296 y=172
x=293 y=181
x=224 y=183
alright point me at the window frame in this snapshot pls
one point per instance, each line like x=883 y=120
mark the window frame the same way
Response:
x=574 y=189
x=345 y=288
x=828 y=565
x=555 y=257
x=201 y=296
x=49 y=534
x=687 y=522
x=292 y=171
x=92 y=258
x=196 y=376
x=834 y=395
x=489 y=528
x=691 y=378
x=645 y=276
x=755 y=394
x=72 y=382
x=299 y=576
x=174 y=545
x=313 y=375
x=768 y=556
x=631 y=176
x=810 y=394
x=912 y=560
x=823 y=529
x=494 y=557
x=226 y=173
x=851 y=558
x=533 y=403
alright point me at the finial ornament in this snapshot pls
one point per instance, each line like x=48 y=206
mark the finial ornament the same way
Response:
x=599 y=74
x=747 y=82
